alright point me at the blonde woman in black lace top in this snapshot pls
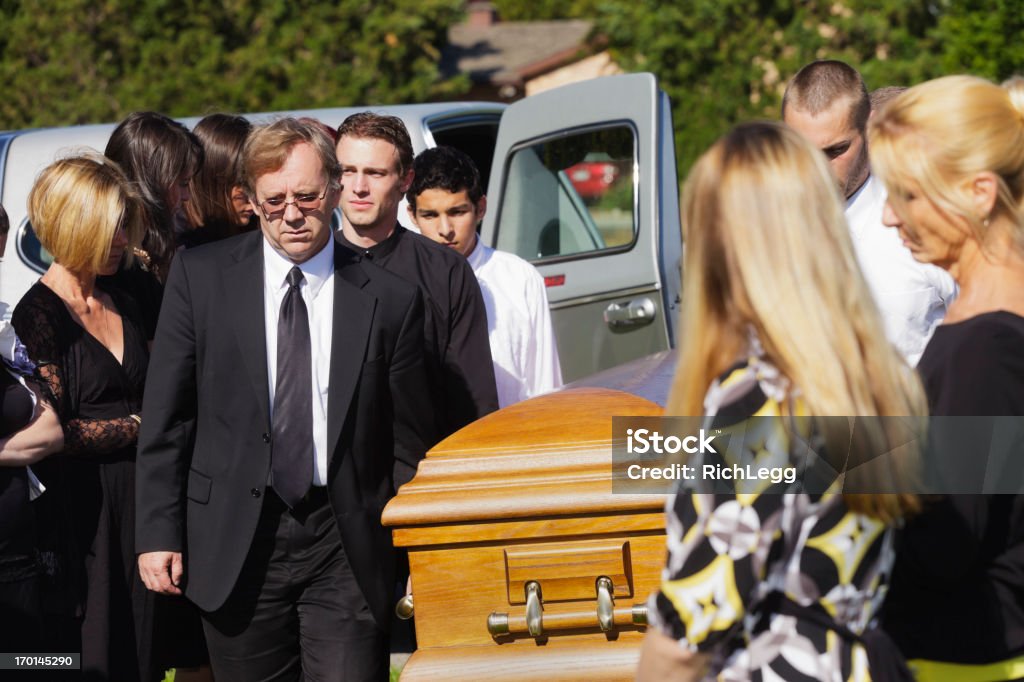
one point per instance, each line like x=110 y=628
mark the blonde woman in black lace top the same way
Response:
x=91 y=352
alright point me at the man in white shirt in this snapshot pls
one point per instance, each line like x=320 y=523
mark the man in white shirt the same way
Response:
x=447 y=203
x=827 y=103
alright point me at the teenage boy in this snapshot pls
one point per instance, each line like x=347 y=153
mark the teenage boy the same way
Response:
x=447 y=203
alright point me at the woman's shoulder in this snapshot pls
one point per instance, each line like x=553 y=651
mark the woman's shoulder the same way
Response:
x=39 y=305
x=976 y=366
x=989 y=339
x=43 y=323
x=38 y=295
x=981 y=329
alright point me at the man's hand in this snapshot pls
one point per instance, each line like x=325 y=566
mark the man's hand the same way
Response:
x=161 y=571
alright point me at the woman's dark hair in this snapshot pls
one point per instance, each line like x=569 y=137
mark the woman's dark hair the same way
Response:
x=209 y=207
x=156 y=153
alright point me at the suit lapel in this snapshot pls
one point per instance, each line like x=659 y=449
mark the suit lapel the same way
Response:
x=243 y=285
x=353 y=319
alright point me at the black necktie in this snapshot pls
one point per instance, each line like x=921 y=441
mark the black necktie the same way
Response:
x=293 y=398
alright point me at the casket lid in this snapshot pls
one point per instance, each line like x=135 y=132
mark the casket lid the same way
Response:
x=548 y=456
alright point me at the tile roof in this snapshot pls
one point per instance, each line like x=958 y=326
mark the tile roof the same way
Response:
x=509 y=52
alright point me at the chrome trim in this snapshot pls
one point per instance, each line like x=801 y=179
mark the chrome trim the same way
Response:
x=597 y=298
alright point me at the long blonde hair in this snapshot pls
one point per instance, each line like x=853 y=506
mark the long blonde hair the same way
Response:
x=767 y=249
x=936 y=134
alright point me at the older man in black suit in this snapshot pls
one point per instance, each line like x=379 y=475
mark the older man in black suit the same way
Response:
x=286 y=401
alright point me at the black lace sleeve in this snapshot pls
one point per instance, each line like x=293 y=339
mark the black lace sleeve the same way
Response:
x=36 y=319
x=99 y=436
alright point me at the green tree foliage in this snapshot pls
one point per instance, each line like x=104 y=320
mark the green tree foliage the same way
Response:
x=74 y=61
x=725 y=61
x=983 y=37
x=721 y=61
x=543 y=10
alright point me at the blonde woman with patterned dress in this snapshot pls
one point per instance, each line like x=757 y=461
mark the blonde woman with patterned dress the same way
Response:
x=776 y=582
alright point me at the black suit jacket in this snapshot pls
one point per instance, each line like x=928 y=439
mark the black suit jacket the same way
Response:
x=205 y=446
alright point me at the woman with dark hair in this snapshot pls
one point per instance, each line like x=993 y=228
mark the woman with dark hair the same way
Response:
x=29 y=431
x=160 y=156
x=217 y=206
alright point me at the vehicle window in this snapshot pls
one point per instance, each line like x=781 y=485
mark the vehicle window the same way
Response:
x=570 y=195
x=476 y=140
x=31 y=251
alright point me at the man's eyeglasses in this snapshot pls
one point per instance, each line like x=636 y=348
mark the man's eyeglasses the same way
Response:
x=275 y=207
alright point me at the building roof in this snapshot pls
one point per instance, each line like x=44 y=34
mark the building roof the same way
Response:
x=509 y=52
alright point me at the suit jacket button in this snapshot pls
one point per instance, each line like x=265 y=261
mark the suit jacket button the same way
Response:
x=255 y=492
x=266 y=437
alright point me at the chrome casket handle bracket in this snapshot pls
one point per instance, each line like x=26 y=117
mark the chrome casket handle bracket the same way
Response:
x=605 y=604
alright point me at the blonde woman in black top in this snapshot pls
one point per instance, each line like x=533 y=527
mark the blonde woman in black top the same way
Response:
x=951 y=153
x=90 y=346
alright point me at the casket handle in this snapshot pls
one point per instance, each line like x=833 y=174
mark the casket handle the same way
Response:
x=639 y=614
x=404 y=607
x=534 y=609
x=605 y=605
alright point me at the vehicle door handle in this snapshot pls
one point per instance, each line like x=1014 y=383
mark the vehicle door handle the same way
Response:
x=635 y=313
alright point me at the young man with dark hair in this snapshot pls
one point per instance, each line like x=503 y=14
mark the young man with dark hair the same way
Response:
x=828 y=103
x=447 y=204
x=375 y=154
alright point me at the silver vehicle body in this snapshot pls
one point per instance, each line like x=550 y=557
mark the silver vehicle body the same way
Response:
x=609 y=247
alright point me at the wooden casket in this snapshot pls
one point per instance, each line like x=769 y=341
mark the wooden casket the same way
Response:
x=525 y=565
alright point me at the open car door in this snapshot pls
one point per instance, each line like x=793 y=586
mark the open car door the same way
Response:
x=584 y=186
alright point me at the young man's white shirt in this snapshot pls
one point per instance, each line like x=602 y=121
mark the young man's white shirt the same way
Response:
x=518 y=325
x=911 y=296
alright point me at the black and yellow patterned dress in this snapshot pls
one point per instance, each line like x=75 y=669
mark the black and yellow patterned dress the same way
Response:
x=771 y=584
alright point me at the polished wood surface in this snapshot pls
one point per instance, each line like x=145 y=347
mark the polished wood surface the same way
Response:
x=546 y=456
x=564 y=569
x=525 y=495
x=592 y=661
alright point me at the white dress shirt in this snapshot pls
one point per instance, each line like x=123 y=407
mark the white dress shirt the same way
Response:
x=318 y=293
x=518 y=325
x=911 y=296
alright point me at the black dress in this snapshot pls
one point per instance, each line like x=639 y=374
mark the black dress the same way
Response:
x=94 y=600
x=20 y=622
x=958 y=586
